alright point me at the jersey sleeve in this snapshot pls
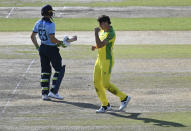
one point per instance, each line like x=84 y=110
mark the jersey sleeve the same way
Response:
x=35 y=28
x=52 y=29
x=110 y=35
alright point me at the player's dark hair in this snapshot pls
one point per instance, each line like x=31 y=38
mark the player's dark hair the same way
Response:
x=104 y=18
x=47 y=10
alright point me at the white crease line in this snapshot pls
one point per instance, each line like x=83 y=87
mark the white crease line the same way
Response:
x=18 y=84
x=10 y=12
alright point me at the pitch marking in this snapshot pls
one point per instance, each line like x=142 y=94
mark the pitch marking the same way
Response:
x=18 y=84
x=10 y=12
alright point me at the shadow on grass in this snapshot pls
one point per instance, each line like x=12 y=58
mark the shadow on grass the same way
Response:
x=78 y=104
x=134 y=116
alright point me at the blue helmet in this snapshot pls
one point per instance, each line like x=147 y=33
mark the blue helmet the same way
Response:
x=47 y=10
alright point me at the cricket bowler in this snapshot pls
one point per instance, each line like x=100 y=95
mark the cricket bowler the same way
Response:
x=49 y=53
x=105 y=38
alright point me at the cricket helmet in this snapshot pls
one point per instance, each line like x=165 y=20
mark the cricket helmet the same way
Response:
x=47 y=10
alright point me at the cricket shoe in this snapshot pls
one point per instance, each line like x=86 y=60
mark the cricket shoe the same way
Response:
x=56 y=96
x=103 y=109
x=124 y=103
x=45 y=98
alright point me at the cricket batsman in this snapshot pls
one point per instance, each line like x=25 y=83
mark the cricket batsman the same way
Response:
x=49 y=53
x=105 y=38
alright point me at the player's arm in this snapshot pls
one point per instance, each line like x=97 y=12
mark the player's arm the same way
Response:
x=53 y=39
x=66 y=42
x=34 y=40
x=99 y=43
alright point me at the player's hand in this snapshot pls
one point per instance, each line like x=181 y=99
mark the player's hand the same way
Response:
x=61 y=44
x=93 y=48
x=38 y=48
x=97 y=29
x=64 y=43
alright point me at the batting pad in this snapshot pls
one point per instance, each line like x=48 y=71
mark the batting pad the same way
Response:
x=59 y=80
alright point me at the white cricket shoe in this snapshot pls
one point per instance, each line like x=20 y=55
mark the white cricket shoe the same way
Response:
x=124 y=103
x=45 y=98
x=103 y=109
x=56 y=96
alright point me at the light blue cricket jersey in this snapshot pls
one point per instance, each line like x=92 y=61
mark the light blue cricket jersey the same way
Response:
x=44 y=29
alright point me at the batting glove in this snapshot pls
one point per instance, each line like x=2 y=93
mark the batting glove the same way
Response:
x=65 y=41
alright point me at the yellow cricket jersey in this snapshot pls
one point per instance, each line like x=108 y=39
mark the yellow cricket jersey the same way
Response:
x=106 y=51
x=105 y=54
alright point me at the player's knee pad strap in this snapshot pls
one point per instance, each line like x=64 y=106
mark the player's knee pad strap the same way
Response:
x=45 y=79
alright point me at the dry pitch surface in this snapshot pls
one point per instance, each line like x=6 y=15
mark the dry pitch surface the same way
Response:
x=155 y=85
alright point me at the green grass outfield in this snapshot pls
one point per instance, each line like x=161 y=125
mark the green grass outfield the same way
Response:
x=88 y=24
x=84 y=52
x=93 y=4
